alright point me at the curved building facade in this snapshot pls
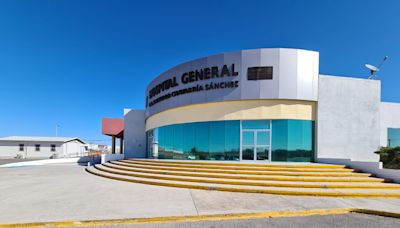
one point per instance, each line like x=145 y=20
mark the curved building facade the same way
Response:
x=247 y=105
x=268 y=104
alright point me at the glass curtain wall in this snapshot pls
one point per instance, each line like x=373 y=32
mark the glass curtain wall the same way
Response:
x=292 y=140
x=217 y=140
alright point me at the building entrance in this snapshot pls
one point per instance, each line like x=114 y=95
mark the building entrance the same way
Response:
x=256 y=140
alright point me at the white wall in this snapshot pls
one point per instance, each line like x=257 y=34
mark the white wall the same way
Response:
x=10 y=149
x=134 y=134
x=390 y=118
x=348 y=118
x=111 y=157
x=73 y=149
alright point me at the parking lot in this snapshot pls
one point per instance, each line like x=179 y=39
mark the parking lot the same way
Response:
x=68 y=192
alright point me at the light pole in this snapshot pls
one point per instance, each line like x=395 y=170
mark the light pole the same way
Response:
x=57 y=126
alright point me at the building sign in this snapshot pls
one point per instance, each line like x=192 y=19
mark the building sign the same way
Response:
x=193 y=79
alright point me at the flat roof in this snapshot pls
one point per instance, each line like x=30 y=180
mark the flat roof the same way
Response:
x=40 y=139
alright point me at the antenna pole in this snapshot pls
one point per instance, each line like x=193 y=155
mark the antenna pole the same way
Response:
x=383 y=61
x=57 y=126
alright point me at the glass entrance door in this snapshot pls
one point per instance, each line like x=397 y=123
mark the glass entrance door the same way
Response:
x=248 y=145
x=256 y=144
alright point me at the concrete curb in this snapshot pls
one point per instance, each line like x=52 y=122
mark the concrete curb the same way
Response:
x=216 y=217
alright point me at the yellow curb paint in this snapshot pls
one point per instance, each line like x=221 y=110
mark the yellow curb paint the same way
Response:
x=267 y=172
x=219 y=169
x=270 y=176
x=253 y=176
x=243 y=168
x=196 y=218
x=311 y=165
x=216 y=217
x=231 y=189
x=245 y=183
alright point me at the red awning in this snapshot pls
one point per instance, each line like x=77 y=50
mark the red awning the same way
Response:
x=112 y=126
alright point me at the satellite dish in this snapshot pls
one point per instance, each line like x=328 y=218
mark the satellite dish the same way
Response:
x=373 y=69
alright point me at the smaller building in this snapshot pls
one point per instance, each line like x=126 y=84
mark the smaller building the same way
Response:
x=41 y=147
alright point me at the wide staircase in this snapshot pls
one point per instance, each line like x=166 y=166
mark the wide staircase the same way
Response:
x=284 y=178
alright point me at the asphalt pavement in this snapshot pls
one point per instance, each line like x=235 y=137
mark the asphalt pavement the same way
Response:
x=66 y=192
x=352 y=220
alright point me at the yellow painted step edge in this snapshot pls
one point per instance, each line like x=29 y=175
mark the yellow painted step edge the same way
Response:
x=242 y=168
x=266 y=166
x=197 y=218
x=237 y=163
x=186 y=177
x=230 y=189
x=251 y=174
x=345 y=174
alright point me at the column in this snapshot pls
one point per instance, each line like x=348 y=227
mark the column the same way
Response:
x=121 y=145
x=113 y=145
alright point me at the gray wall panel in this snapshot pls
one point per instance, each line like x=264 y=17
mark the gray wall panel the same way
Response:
x=289 y=80
x=268 y=87
x=348 y=124
x=390 y=118
x=134 y=134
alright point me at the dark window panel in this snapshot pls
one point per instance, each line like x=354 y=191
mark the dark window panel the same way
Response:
x=260 y=73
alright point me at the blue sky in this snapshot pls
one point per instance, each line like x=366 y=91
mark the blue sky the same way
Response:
x=72 y=62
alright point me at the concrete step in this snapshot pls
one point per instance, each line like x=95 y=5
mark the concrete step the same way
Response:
x=247 y=172
x=293 y=184
x=213 y=174
x=252 y=189
x=232 y=167
x=240 y=164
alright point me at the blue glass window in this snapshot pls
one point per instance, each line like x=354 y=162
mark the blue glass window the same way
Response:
x=216 y=140
x=255 y=124
x=177 y=143
x=232 y=140
x=248 y=138
x=293 y=140
x=263 y=138
x=393 y=137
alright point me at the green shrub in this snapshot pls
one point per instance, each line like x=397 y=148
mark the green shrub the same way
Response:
x=390 y=157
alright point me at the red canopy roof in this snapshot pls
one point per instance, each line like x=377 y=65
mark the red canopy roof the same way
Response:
x=112 y=126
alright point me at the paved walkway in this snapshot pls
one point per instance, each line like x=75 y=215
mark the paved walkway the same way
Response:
x=14 y=160
x=67 y=192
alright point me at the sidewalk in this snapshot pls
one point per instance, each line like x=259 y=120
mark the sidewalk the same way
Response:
x=67 y=192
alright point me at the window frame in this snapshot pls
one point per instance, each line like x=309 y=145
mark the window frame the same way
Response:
x=37 y=147
x=21 y=147
x=53 y=147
